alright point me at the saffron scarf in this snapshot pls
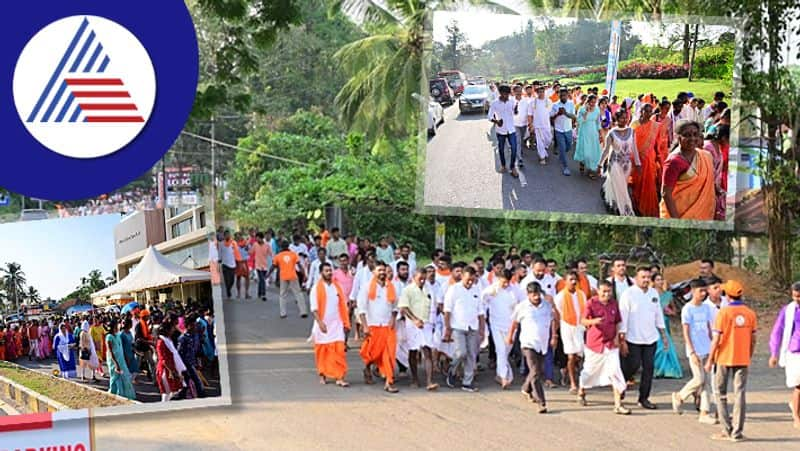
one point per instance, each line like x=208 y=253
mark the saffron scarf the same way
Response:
x=322 y=300
x=443 y=272
x=569 y=314
x=695 y=195
x=391 y=294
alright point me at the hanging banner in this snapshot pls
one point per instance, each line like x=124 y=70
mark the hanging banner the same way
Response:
x=68 y=430
x=613 y=57
x=440 y=232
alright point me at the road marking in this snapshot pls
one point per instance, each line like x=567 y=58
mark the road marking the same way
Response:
x=522 y=180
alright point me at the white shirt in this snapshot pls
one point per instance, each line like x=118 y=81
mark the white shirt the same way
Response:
x=412 y=266
x=379 y=311
x=505 y=111
x=299 y=248
x=687 y=113
x=227 y=255
x=592 y=281
x=501 y=303
x=313 y=273
x=465 y=307
x=621 y=286
x=540 y=110
x=363 y=277
x=698 y=317
x=534 y=323
x=562 y=122
x=332 y=319
x=547 y=282
x=707 y=112
x=715 y=308
x=642 y=316
x=523 y=111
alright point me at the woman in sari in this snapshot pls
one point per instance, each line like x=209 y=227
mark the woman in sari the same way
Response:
x=688 y=181
x=64 y=347
x=11 y=344
x=44 y=341
x=718 y=145
x=606 y=119
x=98 y=334
x=666 y=361
x=126 y=339
x=119 y=377
x=620 y=151
x=587 y=149
x=88 y=353
x=645 y=194
x=206 y=343
x=170 y=368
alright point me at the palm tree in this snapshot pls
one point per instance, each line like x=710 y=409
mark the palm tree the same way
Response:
x=13 y=281
x=32 y=296
x=386 y=68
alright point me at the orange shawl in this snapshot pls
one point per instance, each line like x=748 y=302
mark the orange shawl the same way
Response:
x=645 y=196
x=569 y=315
x=391 y=294
x=695 y=197
x=443 y=272
x=322 y=300
x=583 y=285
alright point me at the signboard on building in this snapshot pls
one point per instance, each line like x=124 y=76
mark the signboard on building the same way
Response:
x=138 y=231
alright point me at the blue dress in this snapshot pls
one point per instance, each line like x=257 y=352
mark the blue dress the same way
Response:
x=119 y=378
x=667 y=364
x=587 y=148
x=126 y=339
x=65 y=355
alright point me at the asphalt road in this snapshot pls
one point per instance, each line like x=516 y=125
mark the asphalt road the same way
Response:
x=462 y=165
x=279 y=404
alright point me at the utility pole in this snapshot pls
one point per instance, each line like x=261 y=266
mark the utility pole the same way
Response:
x=213 y=172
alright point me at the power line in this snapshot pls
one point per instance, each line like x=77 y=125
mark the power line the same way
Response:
x=231 y=146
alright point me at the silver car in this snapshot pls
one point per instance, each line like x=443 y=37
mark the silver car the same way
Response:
x=33 y=214
x=474 y=98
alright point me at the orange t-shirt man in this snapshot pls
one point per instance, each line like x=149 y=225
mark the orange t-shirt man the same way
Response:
x=286 y=261
x=325 y=236
x=736 y=325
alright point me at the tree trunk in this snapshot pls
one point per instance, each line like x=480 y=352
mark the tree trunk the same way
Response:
x=687 y=42
x=694 y=51
x=780 y=243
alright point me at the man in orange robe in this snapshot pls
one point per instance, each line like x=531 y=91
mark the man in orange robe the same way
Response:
x=377 y=308
x=331 y=323
x=645 y=194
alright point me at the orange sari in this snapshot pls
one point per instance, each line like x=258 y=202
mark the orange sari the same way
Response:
x=694 y=194
x=645 y=190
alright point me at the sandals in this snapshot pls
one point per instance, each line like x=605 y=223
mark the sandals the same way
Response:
x=432 y=387
x=582 y=400
x=622 y=410
x=343 y=384
x=368 y=377
x=390 y=389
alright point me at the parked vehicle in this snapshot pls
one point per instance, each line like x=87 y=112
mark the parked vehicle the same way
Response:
x=441 y=91
x=435 y=116
x=474 y=98
x=477 y=81
x=33 y=214
x=456 y=79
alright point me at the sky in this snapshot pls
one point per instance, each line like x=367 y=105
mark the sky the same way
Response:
x=56 y=253
x=480 y=27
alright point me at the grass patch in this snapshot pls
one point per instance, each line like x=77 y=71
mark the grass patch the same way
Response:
x=71 y=395
x=703 y=89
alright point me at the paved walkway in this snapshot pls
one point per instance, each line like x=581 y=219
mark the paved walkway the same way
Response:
x=278 y=404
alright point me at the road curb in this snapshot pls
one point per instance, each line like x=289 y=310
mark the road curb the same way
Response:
x=38 y=403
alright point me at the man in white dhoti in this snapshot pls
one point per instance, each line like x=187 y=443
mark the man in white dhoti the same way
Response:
x=571 y=304
x=540 y=126
x=784 y=345
x=601 y=366
x=415 y=304
x=501 y=298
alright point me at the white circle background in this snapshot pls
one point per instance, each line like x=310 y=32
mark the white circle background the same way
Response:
x=129 y=62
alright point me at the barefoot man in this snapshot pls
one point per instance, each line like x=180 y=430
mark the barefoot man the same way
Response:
x=571 y=305
x=415 y=304
x=331 y=323
x=377 y=308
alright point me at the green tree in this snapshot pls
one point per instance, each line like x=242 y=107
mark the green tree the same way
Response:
x=456 y=48
x=13 y=279
x=32 y=296
x=547 y=44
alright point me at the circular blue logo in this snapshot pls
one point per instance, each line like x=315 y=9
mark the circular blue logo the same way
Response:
x=93 y=93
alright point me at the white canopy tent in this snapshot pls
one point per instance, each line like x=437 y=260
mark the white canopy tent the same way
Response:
x=153 y=272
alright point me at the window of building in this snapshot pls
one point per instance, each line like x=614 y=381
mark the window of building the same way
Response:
x=183 y=227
